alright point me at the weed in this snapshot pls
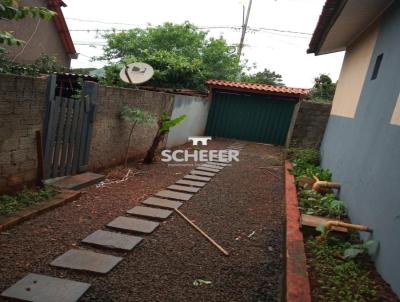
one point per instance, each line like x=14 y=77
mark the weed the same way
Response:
x=25 y=198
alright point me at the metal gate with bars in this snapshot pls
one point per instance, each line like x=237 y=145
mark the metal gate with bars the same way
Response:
x=68 y=130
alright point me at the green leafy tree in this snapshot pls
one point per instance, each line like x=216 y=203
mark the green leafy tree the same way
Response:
x=264 y=77
x=12 y=10
x=323 y=89
x=134 y=116
x=181 y=55
x=165 y=123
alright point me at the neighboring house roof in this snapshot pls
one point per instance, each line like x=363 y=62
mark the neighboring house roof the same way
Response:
x=59 y=20
x=342 y=21
x=258 y=88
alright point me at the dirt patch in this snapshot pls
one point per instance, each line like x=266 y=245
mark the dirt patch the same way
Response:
x=241 y=208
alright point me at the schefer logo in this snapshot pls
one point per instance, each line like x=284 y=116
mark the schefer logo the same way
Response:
x=181 y=156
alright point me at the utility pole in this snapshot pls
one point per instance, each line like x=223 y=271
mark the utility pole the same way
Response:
x=244 y=27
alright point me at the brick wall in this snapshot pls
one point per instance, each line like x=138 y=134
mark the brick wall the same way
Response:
x=310 y=124
x=22 y=111
x=22 y=107
x=110 y=133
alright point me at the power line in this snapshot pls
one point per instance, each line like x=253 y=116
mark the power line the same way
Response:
x=199 y=27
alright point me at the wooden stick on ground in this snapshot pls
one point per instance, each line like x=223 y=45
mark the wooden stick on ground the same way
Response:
x=204 y=234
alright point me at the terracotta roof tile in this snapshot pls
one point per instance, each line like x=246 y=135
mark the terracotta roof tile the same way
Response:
x=254 y=87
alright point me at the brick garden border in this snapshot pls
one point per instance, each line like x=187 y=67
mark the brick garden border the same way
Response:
x=63 y=197
x=297 y=282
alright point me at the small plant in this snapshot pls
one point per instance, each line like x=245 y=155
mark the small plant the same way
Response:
x=314 y=203
x=11 y=204
x=134 y=116
x=165 y=123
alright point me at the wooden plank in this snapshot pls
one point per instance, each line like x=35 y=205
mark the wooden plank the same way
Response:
x=92 y=89
x=71 y=142
x=315 y=221
x=83 y=138
x=50 y=137
x=77 y=140
x=66 y=139
x=59 y=138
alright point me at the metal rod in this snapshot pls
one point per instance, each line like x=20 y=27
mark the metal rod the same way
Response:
x=203 y=233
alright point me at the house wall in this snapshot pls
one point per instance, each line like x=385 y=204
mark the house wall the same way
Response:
x=196 y=109
x=310 y=124
x=45 y=39
x=363 y=151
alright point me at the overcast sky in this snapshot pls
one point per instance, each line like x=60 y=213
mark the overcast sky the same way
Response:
x=283 y=52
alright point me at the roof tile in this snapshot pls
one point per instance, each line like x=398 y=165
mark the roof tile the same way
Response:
x=255 y=87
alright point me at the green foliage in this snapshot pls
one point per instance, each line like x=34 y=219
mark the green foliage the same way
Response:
x=303 y=168
x=323 y=90
x=25 y=198
x=181 y=55
x=314 y=203
x=308 y=155
x=167 y=123
x=340 y=279
x=360 y=248
x=11 y=10
x=44 y=64
x=264 y=77
x=135 y=115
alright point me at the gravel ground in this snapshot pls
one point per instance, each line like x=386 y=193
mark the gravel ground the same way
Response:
x=241 y=208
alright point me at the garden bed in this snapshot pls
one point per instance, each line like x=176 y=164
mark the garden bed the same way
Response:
x=338 y=264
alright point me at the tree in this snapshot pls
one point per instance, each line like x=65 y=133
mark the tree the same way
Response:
x=11 y=10
x=181 y=55
x=165 y=123
x=323 y=89
x=134 y=116
x=264 y=77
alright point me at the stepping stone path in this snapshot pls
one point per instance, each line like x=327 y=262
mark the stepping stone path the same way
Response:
x=202 y=173
x=191 y=183
x=85 y=260
x=162 y=203
x=174 y=195
x=207 y=169
x=196 y=177
x=41 y=288
x=112 y=240
x=149 y=212
x=34 y=287
x=184 y=188
x=133 y=225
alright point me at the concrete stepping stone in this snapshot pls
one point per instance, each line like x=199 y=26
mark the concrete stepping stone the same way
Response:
x=191 y=183
x=184 y=188
x=85 y=260
x=162 y=203
x=196 y=177
x=149 y=212
x=112 y=240
x=217 y=164
x=219 y=168
x=133 y=225
x=35 y=287
x=202 y=173
x=174 y=195
x=207 y=169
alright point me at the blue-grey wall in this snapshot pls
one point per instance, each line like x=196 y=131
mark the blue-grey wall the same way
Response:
x=364 y=153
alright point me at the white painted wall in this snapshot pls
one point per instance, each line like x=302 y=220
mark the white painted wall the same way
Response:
x=196 y=109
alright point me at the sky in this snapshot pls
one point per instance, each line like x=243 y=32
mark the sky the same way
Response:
x=275 y=46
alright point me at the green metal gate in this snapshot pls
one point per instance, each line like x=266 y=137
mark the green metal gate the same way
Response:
x=252 y=117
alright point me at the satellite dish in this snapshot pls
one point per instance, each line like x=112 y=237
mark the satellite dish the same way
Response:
x=136 y=73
